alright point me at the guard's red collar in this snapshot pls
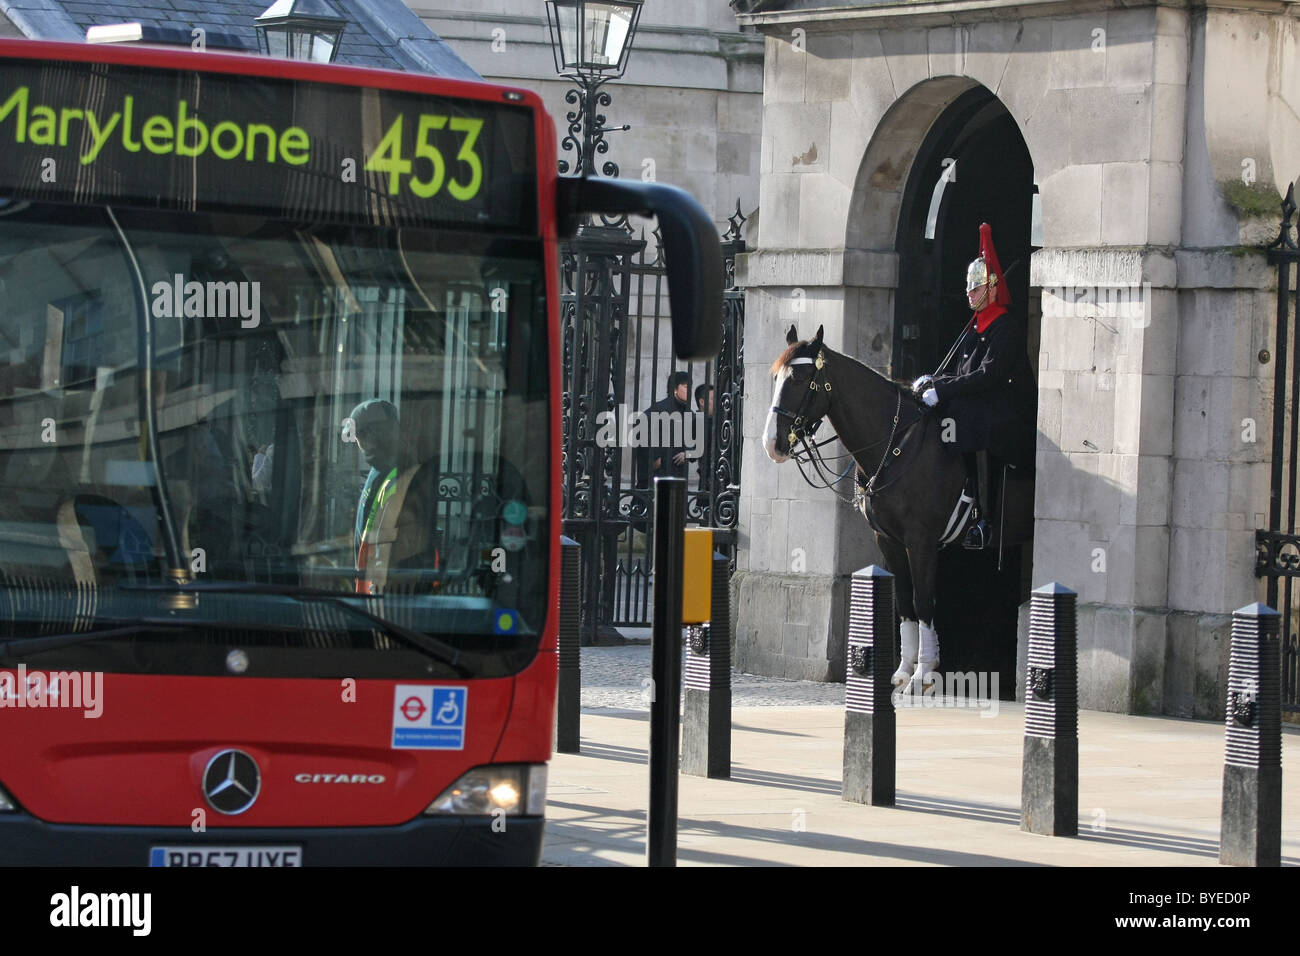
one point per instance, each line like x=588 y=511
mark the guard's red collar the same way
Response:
x=984 y=318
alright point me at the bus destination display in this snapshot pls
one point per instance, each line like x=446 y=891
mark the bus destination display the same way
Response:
x=226 y=143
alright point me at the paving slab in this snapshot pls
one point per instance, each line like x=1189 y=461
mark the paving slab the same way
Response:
x=1149 y=794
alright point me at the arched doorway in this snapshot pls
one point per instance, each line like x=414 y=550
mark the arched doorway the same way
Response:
x=973 y=166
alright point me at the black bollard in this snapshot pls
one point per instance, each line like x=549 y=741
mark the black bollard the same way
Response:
x=1251 y=829
x=870 y=724
x=706 y=727
x=1049 y=779
x=666 y=670
x=568 y=700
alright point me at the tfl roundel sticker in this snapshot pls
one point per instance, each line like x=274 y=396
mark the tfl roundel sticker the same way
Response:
x=429 y=718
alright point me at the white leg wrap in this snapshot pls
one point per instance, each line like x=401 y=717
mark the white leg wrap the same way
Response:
x=928 y=657
x=910 y=634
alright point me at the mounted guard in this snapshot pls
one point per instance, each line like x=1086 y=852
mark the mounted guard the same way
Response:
x=986 y=383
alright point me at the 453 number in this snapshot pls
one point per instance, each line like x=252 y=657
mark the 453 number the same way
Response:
x=389 y=157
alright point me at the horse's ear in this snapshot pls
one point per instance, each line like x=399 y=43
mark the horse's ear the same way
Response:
x=791 y=337
x=818 y=337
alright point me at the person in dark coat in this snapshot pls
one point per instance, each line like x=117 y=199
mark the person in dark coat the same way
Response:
x=987 y=386
x=669 y=460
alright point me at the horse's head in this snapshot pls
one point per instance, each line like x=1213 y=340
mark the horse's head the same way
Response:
x=801 y=397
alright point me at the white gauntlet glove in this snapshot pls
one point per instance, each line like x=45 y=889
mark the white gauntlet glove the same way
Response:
x=931 y=397
x=921 y=383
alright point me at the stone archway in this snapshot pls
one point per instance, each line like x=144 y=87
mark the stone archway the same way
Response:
x=947 y=156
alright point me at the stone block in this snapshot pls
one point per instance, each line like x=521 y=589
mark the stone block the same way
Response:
x=1098 y=114
x=1130 y=23
x=1078 y=54
x=1168 y=131
x=1046 y=128
x=823 y=202
x=1050 y=404
x=1196 y=566
x=1157 y=414
x=734 y=154
x=848 y=142
x=1150 y=566
x=1210 y=676
x=1170 y=55
x=740 y=113
x=779 y=200
x=1071 y=212
x=783 y=74
x=1147 y=665
x=1191 y=415
x=828 y=69
x=1165 y=209
x=1104 y=662
x=988 y=47
x=1200 y=492
x=1119 y=544
x=1171 y=21
x=1021 y=84
x=1130 y=61
x=1063 y=552
x=871 y=88
x=1091 y=418
x=1180 y=664
x=907 y=54
x=760 y=527
x=1124 y=190
x=800 y=137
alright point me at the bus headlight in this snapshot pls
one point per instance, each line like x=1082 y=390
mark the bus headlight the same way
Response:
x=518 y=789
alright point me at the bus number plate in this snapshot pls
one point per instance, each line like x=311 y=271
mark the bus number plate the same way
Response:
x=225 y=856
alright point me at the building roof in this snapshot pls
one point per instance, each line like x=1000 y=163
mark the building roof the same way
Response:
x=379 y=33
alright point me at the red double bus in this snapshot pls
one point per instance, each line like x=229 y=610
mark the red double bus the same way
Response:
x=279 y=427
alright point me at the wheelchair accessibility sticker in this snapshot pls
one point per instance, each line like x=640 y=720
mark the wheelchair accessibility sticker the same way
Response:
x=429 y=718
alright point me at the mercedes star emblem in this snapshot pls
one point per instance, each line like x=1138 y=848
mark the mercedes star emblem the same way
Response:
x=231 y=782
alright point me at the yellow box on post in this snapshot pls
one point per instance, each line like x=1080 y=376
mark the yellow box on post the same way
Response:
x=697 y=576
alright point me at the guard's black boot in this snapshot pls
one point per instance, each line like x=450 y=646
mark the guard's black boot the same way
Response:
x=977 y=535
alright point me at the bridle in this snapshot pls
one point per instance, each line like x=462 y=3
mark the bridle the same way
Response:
x=802 y=433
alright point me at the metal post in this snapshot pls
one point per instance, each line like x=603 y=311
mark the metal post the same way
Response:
x=1251 y=829
x=870 y=723
x=568 y=701
x=706 y=729
x=666 y=670
x=1049 y=779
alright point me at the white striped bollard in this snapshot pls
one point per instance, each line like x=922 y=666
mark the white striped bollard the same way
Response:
x=1251 y=830
x=870 y=724
x=1049 y=780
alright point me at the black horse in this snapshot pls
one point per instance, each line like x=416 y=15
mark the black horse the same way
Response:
x=887 y=430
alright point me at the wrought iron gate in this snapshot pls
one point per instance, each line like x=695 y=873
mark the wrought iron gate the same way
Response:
x=1277 y=550
x=616 y=363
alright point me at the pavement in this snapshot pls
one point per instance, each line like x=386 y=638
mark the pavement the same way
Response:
x=1149 y=793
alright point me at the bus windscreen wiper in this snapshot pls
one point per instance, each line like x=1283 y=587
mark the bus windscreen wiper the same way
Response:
x=438 y=650
x=49 y=642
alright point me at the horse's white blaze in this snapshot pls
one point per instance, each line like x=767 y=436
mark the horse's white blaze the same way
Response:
x=769 y=433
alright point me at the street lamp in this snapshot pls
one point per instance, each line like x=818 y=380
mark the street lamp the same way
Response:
x=300 y=30
x=590 y=41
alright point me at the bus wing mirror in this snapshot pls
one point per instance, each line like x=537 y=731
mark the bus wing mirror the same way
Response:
x=691 y=250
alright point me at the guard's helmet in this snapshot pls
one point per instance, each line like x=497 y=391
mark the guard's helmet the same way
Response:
x=978 y=274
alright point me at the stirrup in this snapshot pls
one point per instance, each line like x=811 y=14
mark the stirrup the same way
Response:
x=977 y=536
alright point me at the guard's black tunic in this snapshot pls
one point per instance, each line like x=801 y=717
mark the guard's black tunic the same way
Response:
x=988 y=388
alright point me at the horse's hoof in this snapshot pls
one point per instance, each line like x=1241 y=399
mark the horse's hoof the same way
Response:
x=927 y=673
x=903 y=676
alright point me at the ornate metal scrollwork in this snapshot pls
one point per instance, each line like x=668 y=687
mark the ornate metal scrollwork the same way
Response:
x=860 y=659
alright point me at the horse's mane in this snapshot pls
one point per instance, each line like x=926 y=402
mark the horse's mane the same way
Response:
x=784 y=359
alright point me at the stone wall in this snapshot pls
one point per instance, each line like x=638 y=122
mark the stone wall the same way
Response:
x=1150 y=480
